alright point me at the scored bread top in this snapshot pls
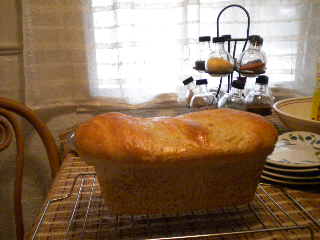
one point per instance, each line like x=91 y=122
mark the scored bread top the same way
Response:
x=198 y=135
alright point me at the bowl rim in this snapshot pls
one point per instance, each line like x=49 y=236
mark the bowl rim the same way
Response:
x=279 y=111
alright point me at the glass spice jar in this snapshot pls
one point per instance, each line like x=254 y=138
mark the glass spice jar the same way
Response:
x=220 y=62
x=203 y=98
x=252 y=61
x=235 y=99
x=204 y=49
x=259 y=99
x=189 y=88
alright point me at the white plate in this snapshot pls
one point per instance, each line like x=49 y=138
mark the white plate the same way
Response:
x=293 y=171
x=292 y=183
x=296 y=149
x=287 y=177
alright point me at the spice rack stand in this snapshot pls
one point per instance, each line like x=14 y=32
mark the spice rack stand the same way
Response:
x=232 y=43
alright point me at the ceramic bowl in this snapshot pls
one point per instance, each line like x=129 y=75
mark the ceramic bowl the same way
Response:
x=295 y=113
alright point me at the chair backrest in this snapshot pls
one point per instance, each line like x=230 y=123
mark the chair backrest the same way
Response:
x=8 y=110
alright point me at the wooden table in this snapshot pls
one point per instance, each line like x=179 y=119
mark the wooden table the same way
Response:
x=75 y=210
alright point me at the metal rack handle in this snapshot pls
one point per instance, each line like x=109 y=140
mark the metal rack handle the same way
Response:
x=230 y=6
x=262 y=196
x=234 y=40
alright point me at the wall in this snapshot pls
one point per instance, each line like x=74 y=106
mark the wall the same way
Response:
x=37 y=172
x=11 y=84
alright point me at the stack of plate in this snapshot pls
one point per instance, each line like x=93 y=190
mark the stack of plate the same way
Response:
x=295 y=160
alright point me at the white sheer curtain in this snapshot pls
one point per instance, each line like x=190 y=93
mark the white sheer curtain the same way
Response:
x=135 y=53
x=145 y=48
x=55 y=56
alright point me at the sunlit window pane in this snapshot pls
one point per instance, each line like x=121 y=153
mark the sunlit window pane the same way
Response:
x=150 y=46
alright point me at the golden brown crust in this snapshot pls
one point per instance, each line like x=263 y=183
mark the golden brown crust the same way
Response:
x=197 y=136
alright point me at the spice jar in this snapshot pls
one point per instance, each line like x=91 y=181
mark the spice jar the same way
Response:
x=252 y=61
x=235 y=99
x=259 y=100
x=204 y=49
x=203 y=98
x=220 y=62
x=190 y=88
x=217 y=94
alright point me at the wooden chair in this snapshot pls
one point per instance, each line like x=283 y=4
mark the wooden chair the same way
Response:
x=8 y=111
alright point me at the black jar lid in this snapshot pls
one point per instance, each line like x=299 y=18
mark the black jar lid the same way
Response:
x=238 y=84
x=201 y=82
x=187 y=81
x=262 y=79
x=226 y=37
x=204 y=39
x=200 y=65
x=242 y=79
x=218 y=39
x=256 y=39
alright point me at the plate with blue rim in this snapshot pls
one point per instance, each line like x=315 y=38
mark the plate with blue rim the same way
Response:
x=300 y=172
x=286 y=182
x=297 y=149
x=315 y=179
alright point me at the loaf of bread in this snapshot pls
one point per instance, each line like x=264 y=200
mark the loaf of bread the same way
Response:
x=201 y=160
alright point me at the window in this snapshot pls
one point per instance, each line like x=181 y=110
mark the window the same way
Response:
x=145 y=48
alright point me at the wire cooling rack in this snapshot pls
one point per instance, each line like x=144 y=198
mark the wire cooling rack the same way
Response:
x=81 y=214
